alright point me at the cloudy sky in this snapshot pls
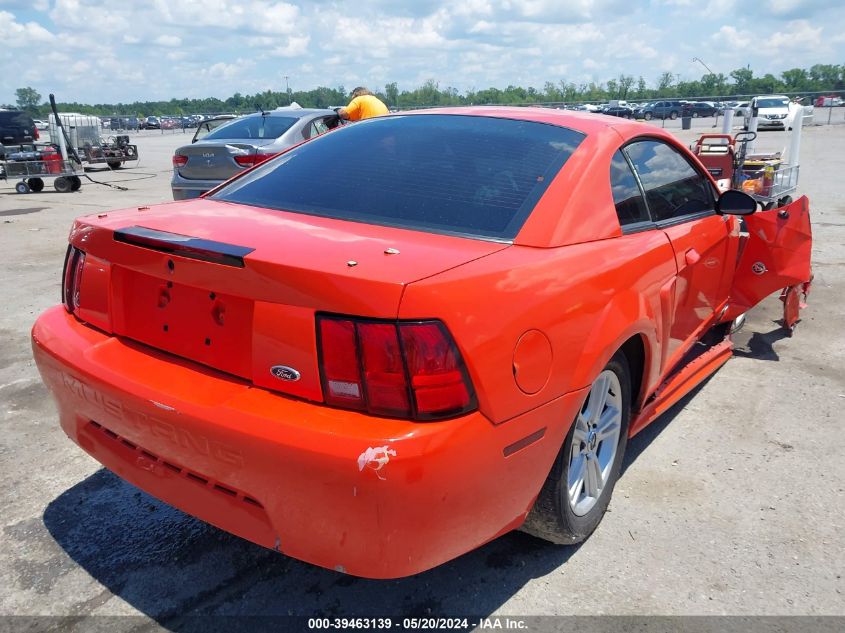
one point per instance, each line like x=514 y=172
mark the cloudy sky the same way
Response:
x=93 y=51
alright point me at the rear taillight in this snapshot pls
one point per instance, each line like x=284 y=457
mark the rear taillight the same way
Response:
x=35 y=134
x=72 y=278
x=179 y=160
x=248 y=160
x=398 y=369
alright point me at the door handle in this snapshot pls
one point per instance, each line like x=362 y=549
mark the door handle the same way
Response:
x=692 y=257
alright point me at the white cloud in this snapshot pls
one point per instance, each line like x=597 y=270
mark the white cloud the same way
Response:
x=295 y=47
x=799 y=8
x=779 y=45
x=226 y=71
x=15 y=34
x=248 y=15
x=171 y=41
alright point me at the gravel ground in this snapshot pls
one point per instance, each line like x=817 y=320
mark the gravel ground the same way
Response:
x=731 y=503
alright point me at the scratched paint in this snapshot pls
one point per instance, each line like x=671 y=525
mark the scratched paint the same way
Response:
x=375 y=459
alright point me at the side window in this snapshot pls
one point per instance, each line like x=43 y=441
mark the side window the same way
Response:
x=626 y=192
x=673 y=188
x=315 y=128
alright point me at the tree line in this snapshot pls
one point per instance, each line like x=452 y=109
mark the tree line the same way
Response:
x=739 y=82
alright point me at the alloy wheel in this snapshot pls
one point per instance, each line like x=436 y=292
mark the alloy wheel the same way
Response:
x=594 y=443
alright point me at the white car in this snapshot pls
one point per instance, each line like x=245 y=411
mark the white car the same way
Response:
x=41 y=125
x=772 y=111
x=743 y=109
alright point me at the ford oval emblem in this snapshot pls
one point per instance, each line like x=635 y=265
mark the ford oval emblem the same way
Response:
x=283 y=372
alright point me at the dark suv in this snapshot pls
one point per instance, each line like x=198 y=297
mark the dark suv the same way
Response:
x=699 y=109
x=17 y=128
x=661 y=110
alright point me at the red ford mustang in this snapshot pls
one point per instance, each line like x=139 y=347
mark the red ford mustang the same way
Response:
x=398 y=341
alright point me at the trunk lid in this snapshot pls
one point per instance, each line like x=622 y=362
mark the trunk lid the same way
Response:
x=215 y=160
x=237 y=288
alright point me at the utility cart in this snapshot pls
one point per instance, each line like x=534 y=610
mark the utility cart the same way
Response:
x=31 y=175
x=768 y=180
x=765 y=177
x=32 y=167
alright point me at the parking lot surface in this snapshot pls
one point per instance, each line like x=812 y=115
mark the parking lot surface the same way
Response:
x=731 y=503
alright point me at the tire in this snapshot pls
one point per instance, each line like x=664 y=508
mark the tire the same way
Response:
x=647 y=116
x=555 y=516
x=62 y=184
x=673 y=115
x=22 y=187
x=75 y=183
x=114 y=164
x=35 y=184
x=695 y=115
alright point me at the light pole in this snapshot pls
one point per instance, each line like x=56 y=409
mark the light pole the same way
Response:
x=712 y=74
x=696 y=59
x=287 y=89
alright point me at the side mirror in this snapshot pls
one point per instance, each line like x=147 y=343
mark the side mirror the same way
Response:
x=733 y=202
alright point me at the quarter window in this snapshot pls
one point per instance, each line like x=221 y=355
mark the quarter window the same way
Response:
x=315 y=128
x=626 y=193
x=673 y=188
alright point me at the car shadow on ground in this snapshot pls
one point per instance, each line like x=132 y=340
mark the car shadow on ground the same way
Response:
x=173 y=568
x=759 y=345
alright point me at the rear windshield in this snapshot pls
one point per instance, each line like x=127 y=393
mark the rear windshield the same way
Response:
x=470 y=175
x=253 y=127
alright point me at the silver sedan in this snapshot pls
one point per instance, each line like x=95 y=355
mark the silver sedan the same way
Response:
x=242 y=143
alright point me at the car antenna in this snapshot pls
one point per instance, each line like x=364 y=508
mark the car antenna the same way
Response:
x=260 y=109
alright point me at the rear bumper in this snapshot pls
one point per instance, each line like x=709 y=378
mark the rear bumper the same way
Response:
x=291 y=475
x=185 y=189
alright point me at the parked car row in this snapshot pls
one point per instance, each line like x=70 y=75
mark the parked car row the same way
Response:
x=830 y=101
x=667 y=109
x=774 y=111
x=153 y=122
x=120 y=123
x=672 y=109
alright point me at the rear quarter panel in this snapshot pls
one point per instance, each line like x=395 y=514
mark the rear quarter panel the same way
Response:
x=587 y=299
